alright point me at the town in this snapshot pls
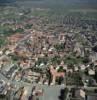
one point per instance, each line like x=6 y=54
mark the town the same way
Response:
x=39 y=56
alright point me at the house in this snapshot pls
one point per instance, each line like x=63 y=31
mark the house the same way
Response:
x=82 y=93
x=55 y=74
x=76 y=68
x=24 y=95
x=91 y=72
x=15 y=38
x=77 y=49
x=82 y=67
x=61 y=37
x=1 y=52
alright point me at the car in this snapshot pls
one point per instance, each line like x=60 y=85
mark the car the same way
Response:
x=1 y=89
x=2 y=82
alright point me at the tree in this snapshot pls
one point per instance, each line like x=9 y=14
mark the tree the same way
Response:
x=86 y=60
x=63 y=94
x=56 y=60
x=19 y=30
x=60 y=47
x=28 y=26
x=94 y=48
x=42 y=60
x=2 y=42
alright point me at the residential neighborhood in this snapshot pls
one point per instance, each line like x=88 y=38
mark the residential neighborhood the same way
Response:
x=47 y=54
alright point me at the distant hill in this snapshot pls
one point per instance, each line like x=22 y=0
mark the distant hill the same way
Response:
x=7 y=1
x=52 y=3
x=65 y=1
